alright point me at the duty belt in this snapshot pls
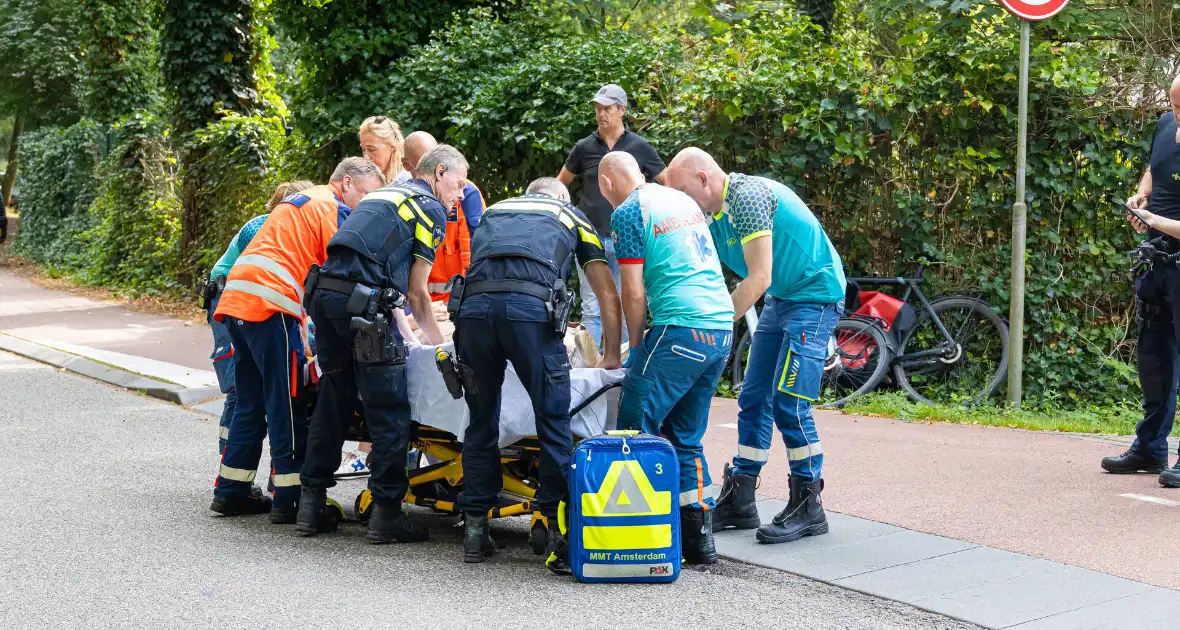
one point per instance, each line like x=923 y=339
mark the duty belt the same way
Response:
x=508 y=286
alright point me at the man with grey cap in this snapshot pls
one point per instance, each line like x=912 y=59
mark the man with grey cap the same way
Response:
x=610 y=104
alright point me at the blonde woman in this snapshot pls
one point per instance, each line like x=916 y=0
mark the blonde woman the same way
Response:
x=382 y=144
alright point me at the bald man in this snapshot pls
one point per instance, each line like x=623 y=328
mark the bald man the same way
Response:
x=768 y=236
x=454 y=255
x=667 y=263
x=1158 y=295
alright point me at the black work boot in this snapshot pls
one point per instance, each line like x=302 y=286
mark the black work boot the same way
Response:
x=1170 y=478
x=477 y=539
x=389 y=524
x=736 y=504
x=696 y=536
x=803 y=516
x=248 y=504
x=1133 y=462
x=313 y=516
x=556 y=550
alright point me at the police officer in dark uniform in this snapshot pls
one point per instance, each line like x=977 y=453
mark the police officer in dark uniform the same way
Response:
x=513 y=306
x=378 y=260
x=1157 y=293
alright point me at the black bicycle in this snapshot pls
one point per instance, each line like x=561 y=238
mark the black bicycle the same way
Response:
x=952 y=350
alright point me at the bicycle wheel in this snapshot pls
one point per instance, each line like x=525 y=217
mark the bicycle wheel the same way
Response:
x=966 y=373
x=858 y=364
x=741 y=358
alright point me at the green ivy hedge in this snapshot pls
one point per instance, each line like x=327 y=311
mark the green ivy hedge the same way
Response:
x=898 y=129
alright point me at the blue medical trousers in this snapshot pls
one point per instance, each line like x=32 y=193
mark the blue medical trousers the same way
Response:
x=668 y=391
x=1158 y=295
x=269 y=361
x=783 y=378
x=493 y=329
x=383 y=389
x=223 y=366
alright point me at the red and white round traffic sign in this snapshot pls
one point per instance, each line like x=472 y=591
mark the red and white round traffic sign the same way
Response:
x=1034 y=10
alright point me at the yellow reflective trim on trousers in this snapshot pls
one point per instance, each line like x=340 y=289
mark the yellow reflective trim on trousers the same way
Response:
x=286 y=480
x=805 y=452
x=421 y=215
x=266 y=293
x=753 y=454
x=688 y=497
x=589 y=236
x=238 y=474
x=424 y=235
x=223 y=433
x=627 y=537
x=785 y=382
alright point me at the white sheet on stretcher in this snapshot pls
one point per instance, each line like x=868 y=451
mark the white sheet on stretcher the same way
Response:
x=432 y=405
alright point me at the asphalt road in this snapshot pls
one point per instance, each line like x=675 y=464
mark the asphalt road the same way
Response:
x=106 y=525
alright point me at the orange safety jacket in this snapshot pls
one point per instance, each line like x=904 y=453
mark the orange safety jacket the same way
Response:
x=268 y=277
x=454 y=255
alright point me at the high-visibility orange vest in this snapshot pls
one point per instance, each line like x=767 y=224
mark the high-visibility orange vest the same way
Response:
x=268 y=277
x=454 y=255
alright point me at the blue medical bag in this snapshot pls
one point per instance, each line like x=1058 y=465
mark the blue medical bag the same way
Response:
x=624 y=512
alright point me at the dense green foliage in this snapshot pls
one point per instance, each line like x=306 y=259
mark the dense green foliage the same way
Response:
x=135 y=226
x=58 y=185
x=121 y=74
x=343 y=52
x=896 y=124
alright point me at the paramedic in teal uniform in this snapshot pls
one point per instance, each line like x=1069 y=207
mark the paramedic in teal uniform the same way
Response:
x=768 y=236
x=669 y=265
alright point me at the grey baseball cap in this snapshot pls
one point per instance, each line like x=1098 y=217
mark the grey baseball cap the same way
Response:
x=611 y=94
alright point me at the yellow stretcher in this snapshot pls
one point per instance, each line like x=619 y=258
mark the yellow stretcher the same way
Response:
x=437 y=485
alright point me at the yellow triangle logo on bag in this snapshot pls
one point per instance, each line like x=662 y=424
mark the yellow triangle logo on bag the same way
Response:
x=626 y=491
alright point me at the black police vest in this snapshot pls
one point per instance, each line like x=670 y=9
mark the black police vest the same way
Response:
x=382 y=229
x=535 y=227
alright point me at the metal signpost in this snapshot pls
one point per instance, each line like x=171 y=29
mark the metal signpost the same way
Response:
x=1028 y=11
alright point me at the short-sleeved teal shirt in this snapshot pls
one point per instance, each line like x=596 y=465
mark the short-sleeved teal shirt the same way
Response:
x=806 y=267
x=665 y=230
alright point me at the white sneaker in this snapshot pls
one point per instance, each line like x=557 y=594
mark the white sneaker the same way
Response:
x=353 y=464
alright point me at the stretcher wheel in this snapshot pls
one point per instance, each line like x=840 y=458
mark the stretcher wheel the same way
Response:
x=538 y=527
x=363 y=505
x=336 y=510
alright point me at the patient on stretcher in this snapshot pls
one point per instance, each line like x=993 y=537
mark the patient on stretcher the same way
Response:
x=579 y=345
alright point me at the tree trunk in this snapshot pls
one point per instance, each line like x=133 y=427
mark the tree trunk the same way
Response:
x=10 y=174
x=190 y=217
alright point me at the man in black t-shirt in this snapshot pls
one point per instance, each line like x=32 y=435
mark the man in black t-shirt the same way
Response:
x=1157 y=294
x=610 y=104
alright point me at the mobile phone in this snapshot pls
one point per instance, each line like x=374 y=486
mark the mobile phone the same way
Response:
x=1135 y=213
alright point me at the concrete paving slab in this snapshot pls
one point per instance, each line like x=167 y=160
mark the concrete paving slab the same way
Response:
x=852 y=547
x=941 y=575
x=1051 y=591
x=169 y=392
x=213 y=407
x=159 y=370
x=1158 y=609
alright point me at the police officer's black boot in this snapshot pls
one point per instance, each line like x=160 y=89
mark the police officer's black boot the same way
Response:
x=477 y=539
x=389 y=524
x=803 y=516
x=696 y=536
x=1134 y=462
x=736 y=505
x=249 y=504
x=1170 y=478
x=313 y=516
x=556 y=550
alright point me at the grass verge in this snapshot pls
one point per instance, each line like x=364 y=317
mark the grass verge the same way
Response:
x=1115 y=420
